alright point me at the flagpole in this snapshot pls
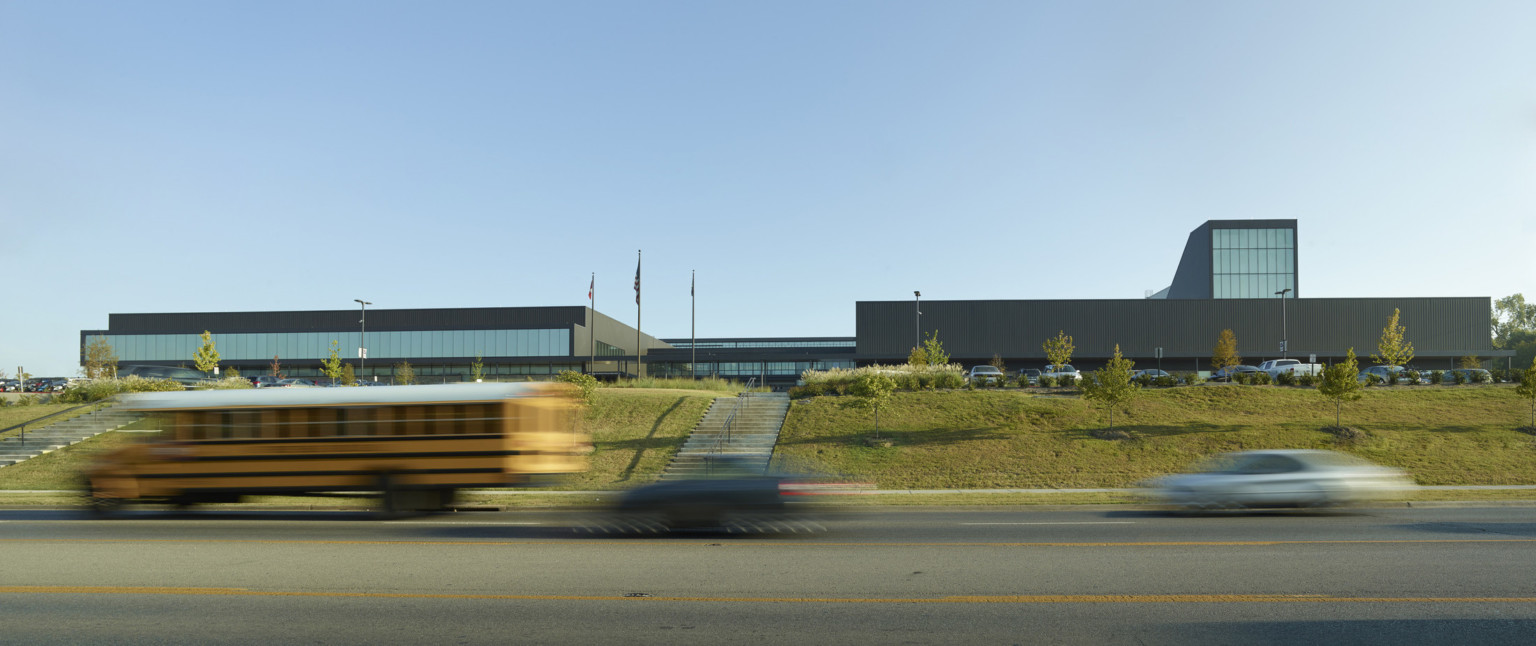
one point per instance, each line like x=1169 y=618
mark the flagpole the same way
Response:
x=693 y=323
x=639 y=362
x=591 y=319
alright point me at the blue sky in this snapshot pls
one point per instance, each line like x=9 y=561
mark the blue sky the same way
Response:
x=801 y=156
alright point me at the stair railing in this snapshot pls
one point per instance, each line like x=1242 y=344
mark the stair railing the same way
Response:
x=32 y=422
x=723 y=439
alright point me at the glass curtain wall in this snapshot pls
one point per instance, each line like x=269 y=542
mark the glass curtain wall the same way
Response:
x=1253 y=263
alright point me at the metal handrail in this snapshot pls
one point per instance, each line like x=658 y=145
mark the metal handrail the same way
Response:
x=728 y=426
x=23 y=426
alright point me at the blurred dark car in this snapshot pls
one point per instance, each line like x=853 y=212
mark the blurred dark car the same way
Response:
x=293 y=383
x=187 y=377
x=1226 y=374
x=733 y=498
x=262 y=381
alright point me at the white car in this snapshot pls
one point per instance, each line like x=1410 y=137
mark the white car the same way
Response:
x=1279 y=478
x=1057 y=372
x=980 y=375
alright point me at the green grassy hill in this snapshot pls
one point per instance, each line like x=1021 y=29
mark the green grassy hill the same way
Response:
x=1009 y=439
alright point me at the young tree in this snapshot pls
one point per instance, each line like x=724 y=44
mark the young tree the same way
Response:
x=231 y=374
x=1394 y=351
x=100 y=359
x=348 y=375
x=404 y=375
x=331 y=366
x=933 y=350
x=207 y=356
x=477 y=369
x=1341 y=383
x=1470 y=361
x=1527 y=389
x=1059 y=350
x=872 y=391
x=277 y=368
x=918 y=357
x=1224 y=355
x=997 y=362
x=1111 y=384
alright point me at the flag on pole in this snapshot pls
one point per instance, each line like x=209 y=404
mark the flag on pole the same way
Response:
x=637 y=281
x=692 y=280
x=592 y=287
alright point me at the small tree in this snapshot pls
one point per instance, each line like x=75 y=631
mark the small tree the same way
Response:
x=331 y=365
x=917 y=357
x=586 y=385
x=933 y=350
x=404 y=375
x=1111 y=384
x=277 y=368
x=1471 y=361
x=1527 y=389
x=872 y=391
x=231 y=374
x=1341 y=383
x=207 y=356
x=1224 y=355
x=1392 y=349
x=997 y=362
x=477 y=369
x=1059 y=350
x=100 y=359
x=348 y=375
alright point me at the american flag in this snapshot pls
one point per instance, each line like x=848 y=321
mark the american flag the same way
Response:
x=637 y=282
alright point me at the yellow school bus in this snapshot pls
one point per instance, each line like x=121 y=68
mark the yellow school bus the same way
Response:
x=413 y=445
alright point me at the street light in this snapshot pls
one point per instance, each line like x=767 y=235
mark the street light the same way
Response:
x=362 y=335
x=1285 y=337
x=917 y=306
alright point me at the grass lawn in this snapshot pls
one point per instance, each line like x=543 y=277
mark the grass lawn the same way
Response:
x=13 y=415
x=1451 y=435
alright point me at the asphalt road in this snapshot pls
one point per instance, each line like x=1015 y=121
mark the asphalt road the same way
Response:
x=914 y=576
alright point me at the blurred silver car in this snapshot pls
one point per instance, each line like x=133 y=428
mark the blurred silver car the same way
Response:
x=1279 y=478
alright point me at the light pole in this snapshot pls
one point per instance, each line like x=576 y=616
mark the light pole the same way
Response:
x=1285 y=337
x=362 y=335
x=917 y=306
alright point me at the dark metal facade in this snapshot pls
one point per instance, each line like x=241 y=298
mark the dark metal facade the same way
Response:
x=1186 y=330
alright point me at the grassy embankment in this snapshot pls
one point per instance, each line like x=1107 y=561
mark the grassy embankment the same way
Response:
x=1012 y=439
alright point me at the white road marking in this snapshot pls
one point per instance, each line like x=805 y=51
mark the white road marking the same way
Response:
x=1093 y=522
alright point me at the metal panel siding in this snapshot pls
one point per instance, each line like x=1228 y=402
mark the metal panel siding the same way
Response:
x=975 y=330
x=382 y=320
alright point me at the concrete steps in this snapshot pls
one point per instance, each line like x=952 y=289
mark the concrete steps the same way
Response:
x=747 y=445
x=15 y=448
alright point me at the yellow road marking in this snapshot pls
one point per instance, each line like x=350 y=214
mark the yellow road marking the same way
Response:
x=1015 y=599
x=589 y=540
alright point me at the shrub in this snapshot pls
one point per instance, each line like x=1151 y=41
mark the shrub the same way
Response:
x=1166 y=381
x=1047 y=381
x=1481 y=377
x=1437 y=377
x=1412 y=376
x=1144 y=380
x=5 y=401
x=1286 y=379
x=1068 y=381
x=227 y=383
x=99 y=389
x=26 y=400
x=1373 y=379
x=1459 y=377
x=1261 y=379
x=1306 y=380
x=1193 y=378
x=586 y=385
x=906 y=377
x=808 y=390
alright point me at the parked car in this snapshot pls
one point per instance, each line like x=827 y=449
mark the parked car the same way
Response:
x=9 y=385
x=1382 y=373
x=1031 y=375
x=1278 y=478
x=1277 y=367
x=1227 y=373
x=187 y=377
x=294 y=383
x=1151 y=373
x=1469 y=375
x=980 y=375
x=1057 y=372
x=263 y=381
